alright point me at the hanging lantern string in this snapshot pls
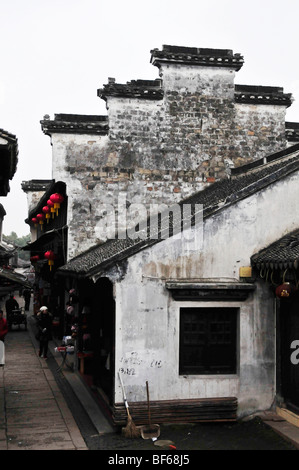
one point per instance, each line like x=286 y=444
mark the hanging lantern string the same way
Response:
x=57 y=199
x=46 y=210
x=50 y=256
x=262 y=273
x=284 y=275
x=51 y=206
x=40 y=218
x=272 y=281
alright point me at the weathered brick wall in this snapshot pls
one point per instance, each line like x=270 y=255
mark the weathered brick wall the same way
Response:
x=259 y=131
x=93 y=180
x=161 y=149
x=199 y=118
x=194 y=128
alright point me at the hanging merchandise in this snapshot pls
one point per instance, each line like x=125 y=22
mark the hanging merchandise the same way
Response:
x=70 y=310
x=40 y=218
x=46 y=211
x=57 y=199
x=51 y=205
x=74 y=299
x=50 y=256
x=74 y=330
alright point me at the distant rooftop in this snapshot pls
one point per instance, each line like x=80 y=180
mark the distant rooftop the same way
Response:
x=75 y=123
x=197 y=56
x=36 y=185
x=146 y=89
x=262 y=95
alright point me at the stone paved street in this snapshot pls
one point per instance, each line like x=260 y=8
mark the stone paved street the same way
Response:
x=34 y=415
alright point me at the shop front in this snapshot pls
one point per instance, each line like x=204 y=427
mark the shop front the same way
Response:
x=278 y=266
x=90 y=325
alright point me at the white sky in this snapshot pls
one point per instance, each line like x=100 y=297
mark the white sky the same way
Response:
x=55 y=54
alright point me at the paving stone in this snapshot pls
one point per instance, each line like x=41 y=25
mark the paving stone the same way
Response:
x=42 y=441
x=33 y=413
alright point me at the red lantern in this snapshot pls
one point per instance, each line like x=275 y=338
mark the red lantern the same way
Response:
x=57 y=199
x=34 y=221
x=284 y=290
x=50 y=256
x=40 y=218
x=46 y=210
x=34 y=259
x=51 y=205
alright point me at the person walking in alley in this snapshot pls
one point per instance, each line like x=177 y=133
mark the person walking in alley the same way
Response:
x=44 y=323
x=3 y=333
x=10 y=305
x=27 y=297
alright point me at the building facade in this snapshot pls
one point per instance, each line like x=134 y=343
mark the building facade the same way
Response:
x=186 y=313
x=162 y=140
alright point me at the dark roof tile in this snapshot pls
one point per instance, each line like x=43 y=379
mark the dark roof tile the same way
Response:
x=197 y=56
x=283 y=253
x=75 y=124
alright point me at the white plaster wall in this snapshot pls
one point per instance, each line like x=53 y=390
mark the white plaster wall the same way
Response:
x=147 y=318
x=33 y=198
x=62 y=145
x=147 y=336
x=232 y=236
x=210 y=81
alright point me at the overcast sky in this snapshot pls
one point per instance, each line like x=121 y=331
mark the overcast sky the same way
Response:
x=55 y=54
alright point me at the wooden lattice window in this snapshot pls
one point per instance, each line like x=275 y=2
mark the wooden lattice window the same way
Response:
x=208 y=340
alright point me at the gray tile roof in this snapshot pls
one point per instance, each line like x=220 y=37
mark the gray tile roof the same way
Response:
x=197 y=56
x=282 y=254
x=214 y=198
x=262 y=95
x=145 y=89
x=75 y=124
x=13 y=277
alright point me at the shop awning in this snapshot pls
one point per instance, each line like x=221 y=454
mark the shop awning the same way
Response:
x=45 y=238
x=7 y=275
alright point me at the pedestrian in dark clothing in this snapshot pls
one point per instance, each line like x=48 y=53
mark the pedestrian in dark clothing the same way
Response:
x=11 y=304
x=44 y=323
x=27 y=297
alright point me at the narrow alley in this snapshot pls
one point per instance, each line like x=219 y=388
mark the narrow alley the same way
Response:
x=35 y=414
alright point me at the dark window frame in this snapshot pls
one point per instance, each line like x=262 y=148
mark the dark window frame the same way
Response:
x=208 y=340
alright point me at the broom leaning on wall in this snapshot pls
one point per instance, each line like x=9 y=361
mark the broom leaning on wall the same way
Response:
x=130 y=431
